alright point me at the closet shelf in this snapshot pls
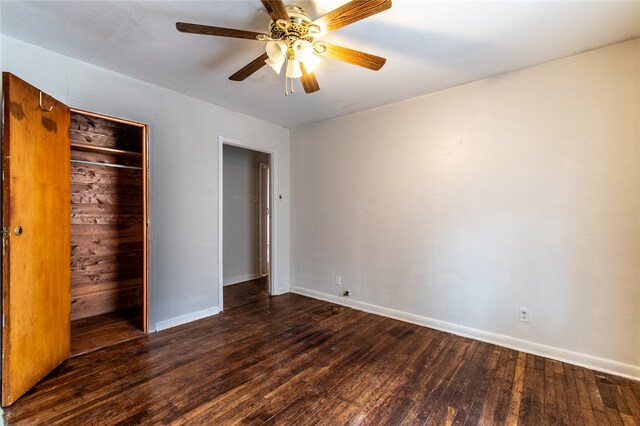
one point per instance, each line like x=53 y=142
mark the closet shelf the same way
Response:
x=105 y=150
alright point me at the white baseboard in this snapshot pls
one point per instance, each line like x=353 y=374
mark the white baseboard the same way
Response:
x=183 y=319
x=559 y=354
x=279 y=291
x=240 y=279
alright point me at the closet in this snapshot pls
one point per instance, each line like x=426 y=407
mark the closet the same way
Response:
x=74 y=233
x=108 y=231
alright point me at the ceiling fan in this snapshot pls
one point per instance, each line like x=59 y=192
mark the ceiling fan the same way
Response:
x=291 y=38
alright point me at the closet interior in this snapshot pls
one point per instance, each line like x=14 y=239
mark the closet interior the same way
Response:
x=108 y=231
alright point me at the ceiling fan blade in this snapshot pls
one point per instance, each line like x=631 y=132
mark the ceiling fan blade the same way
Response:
x=349 y=13
x=250 y=68
x=276 y=9
x=308 y=80
x=355 y=57
x=217 y=31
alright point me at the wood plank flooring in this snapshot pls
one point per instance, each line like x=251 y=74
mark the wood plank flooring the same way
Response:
x=101 y=331
x=298 y=361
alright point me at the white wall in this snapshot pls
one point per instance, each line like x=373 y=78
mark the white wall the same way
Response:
x=241 y=232
x=184 y=172
x=457 y=208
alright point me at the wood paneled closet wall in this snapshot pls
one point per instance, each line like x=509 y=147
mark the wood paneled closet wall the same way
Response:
x=108 y=211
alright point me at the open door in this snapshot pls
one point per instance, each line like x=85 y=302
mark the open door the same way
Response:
x=36 y=232
x=265 y=229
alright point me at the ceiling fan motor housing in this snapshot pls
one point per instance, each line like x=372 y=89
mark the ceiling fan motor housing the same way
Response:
x=298 y=27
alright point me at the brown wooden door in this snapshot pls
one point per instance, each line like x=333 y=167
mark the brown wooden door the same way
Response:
x=36 y=271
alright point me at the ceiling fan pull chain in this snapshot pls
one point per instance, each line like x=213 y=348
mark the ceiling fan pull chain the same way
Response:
x=286 y=87
x=291 y=82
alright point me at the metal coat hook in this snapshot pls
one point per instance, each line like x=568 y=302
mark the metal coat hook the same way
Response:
x=42 y=107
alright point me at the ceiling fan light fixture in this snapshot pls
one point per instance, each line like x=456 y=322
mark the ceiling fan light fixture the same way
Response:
x=303 y=51
x=293 y=69
x=311 y=62
x=291 y=38
x=276 y=51
x=275 y=65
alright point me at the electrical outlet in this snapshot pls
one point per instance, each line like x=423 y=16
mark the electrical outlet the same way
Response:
x=525 y=314
x=338 y=280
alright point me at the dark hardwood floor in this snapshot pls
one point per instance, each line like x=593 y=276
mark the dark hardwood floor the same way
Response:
x=295 y=360
x=247 y=293
x=100 y=331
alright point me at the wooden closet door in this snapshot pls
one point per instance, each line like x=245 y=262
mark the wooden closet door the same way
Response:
x=36 y=232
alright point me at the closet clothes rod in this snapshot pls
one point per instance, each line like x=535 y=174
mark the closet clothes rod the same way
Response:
x=95 y=163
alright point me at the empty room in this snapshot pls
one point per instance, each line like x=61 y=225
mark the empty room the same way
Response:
x=320 y=212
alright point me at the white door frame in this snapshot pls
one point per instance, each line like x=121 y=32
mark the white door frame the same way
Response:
x=273 y=213
x=264 y=212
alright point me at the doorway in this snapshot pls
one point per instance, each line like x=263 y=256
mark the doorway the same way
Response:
x=246 y=224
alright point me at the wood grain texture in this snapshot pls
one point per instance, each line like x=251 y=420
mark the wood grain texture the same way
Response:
x=101 y=331
x=185 y=27
x=35 y=160
x=250 y=68
x=308 y=80
x=107 y=217
x=294 y=360
x=350 y=13
x=276 y=9
x=354 y=57
x=90 y=129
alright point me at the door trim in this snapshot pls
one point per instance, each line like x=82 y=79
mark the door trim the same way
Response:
x=264 y=213
x=222 y=140
x=145 y=204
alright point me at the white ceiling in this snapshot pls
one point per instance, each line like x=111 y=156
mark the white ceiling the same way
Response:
x=429 y=46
